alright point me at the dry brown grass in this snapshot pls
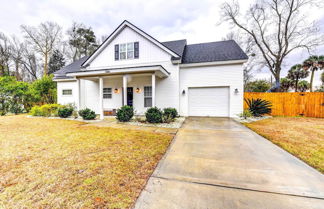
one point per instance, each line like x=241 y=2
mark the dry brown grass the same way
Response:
x=303 y=137
x=62 y=164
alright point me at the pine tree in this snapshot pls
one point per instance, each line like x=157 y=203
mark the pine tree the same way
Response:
x=56 y=62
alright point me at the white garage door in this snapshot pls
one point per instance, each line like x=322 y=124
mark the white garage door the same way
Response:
x=211 y=101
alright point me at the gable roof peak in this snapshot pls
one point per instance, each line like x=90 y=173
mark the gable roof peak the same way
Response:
x=116 y=32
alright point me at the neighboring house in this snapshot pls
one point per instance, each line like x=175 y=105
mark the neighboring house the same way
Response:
x=132 y=68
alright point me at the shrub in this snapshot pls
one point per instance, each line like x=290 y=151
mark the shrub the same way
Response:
x=35 y=111
x=87 y=114
x=65 y=111
x=125 y=113
x=258 y=86
x=44 y=89
x=154 y=115
x=46 y=110
x=169 y=114
x=246 y=114
x=258 y=107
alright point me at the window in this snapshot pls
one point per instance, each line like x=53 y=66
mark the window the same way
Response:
x=107 y=93
x=126 y=51
x=147 y=96
x=130 y=50
x=67 y=92
x=122 y=51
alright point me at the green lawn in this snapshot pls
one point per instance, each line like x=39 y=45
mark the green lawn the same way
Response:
x=46 y=163
x=302 y=137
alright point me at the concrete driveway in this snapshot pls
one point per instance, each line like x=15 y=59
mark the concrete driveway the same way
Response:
x=218 y=163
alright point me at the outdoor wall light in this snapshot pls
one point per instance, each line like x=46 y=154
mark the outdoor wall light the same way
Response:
x=236 y=91
x=183 y=92
x=138 y=90
x=116 y=91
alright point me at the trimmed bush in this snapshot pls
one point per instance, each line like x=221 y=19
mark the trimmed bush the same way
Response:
x=87 y=114
x=35 y=111
x=154 y=115
x=170 y=112
x=49 y=110
x=125 y=113
x=65 y=111
x=46 y=110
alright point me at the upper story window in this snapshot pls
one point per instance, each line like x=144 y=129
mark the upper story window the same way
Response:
x=127 y=51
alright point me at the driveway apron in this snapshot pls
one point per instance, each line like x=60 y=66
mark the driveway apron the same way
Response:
x=219 y=163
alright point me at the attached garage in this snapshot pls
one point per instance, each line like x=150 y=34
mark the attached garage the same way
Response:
x=209 y=101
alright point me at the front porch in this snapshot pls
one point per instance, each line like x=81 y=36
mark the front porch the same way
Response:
x=109 y=90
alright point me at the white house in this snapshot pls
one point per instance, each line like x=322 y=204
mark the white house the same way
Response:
x=132 y=68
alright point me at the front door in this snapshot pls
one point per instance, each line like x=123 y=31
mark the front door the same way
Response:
x=130 y=96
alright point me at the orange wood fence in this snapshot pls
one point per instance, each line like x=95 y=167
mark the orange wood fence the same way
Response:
x=309 y=104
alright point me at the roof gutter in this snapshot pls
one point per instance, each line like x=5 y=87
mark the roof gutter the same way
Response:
x=201 y=64
x=63 y=79
x=115 y=71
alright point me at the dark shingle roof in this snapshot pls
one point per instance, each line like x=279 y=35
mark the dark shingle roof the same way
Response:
x=193 y=53
x=73 y=67
x=213 y=51
x=176 y=46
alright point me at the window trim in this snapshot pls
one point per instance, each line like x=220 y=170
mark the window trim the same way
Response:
x=107 y=93
x=126 y=51
x=67 y=95
x=145 y=97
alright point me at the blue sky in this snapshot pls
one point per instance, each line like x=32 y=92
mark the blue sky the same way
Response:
x=193 y=20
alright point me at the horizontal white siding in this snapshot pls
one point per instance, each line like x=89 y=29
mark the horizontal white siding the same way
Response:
x=149 y=53
x=64 y=99
x=90 y=94
x=230 y=76
x=167 y=89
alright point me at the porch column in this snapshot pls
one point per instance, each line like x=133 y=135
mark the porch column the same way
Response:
x=125 y=89
x=78 y=93
x=153 y=90
x=101 y=98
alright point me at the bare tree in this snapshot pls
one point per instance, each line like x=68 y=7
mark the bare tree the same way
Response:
x=16 y=55
x=277 y=27
x=30 y=64
x=43 y=39
x=5 y=53
x=249 y=47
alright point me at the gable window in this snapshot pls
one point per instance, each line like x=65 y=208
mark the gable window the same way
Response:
x=130 y=50
x=147 y=96
x=107 y=93
x=127 y=51
x=67 y=92
x=122 y=51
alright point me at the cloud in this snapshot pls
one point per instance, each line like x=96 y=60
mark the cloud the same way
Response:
x=165 y=20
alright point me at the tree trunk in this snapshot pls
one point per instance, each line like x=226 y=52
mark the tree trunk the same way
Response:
x=311 y=81
x=277 y=79
x=277 y=83
x=296 y=85
x=17 y=71
x=45 y=65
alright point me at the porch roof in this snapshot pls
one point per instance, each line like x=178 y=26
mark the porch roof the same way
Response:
x=158 y=69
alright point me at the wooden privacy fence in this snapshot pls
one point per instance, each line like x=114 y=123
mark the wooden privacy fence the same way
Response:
x=309 y=104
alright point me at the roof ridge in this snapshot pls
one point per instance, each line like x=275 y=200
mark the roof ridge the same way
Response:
x=211 y=42
x=174 y=40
